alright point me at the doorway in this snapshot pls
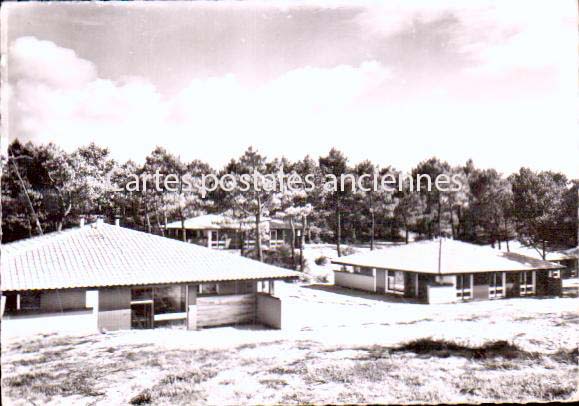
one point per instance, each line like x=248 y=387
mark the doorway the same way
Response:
x=481 y=286
x=142 y=315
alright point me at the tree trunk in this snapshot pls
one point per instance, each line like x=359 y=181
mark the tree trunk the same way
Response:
x=439 y=219
x=372 y=230
x=543 y=251
x=65 y=211
x=161 y=228
x=338 y=231
x=303 y=242
x=293 y=241
x=183 y=229
x=241 y=239
x=30 y=206
x=507 y=235
x=452 y=223
x=147 y=219
x=257 y=231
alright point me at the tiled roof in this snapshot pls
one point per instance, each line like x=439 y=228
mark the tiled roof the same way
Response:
x=106 y=255
x=455 y=257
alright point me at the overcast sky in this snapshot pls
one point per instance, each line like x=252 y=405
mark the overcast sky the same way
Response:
x=395 y=82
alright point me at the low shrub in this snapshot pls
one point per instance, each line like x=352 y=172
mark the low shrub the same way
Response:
x=442 y=348
x=322 y=260
x=348 y=251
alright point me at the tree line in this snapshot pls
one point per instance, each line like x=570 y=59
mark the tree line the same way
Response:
x=46 y=189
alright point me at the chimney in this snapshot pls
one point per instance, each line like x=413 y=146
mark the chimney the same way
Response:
x=117 y=221
x=99 y=221
x=81 y=224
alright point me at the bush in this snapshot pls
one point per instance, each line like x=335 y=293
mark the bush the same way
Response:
x=323 y=260
x=282 y=256
x=348 y=251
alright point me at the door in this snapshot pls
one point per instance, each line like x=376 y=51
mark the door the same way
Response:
x=142 y=315
x=380 y=281
x=480 y=286
x=513 y=285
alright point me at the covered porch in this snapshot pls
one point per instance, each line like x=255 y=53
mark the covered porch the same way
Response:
x=433 y=288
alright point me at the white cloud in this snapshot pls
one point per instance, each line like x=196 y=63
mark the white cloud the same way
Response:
x=52 y=65
x=501 y=36
x=305 y=111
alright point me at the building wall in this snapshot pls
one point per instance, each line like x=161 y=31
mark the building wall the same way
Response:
x=437 y=294
x=62 y=300
x=269 y=310
x=74 y=322
x=224 y=310
x=354 y=281
x=114 y=310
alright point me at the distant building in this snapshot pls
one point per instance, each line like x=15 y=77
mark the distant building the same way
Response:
x=572 y=263
x=110 y=277
x=220 y=232
x=567 y=258
x=447 y=271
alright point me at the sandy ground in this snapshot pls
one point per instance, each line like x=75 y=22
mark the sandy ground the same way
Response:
x=322 y=322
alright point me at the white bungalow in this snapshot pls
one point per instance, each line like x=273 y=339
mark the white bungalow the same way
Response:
x=221 y=232
x=108 y=277
x=445 y=271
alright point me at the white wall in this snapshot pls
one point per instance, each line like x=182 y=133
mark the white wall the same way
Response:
x=354 y=281
x=269 y=310
x=74 y=322
x=441 y=294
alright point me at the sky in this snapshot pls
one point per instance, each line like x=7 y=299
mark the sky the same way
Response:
x=395 y=82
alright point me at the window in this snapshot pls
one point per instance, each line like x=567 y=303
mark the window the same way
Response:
x=459 y=282
x=527 y=283
x=208 y=289
x=395 y=281
x=141 y=294
x=463 y=286
x=170 y=299
x=364 y=270
x=11 y=305
x=30 y=301
x=496 y=285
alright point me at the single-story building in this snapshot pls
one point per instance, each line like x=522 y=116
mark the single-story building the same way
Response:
x=110 y=277
x=572 y=262
x=446 y=271
x=565 y=258
x=221 y=232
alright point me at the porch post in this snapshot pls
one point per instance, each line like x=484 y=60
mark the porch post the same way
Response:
x=191 y=295
x=209 y=235
x=416 y=284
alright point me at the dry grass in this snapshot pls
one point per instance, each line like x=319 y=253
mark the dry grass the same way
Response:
x=422 y=370
x=524 y=352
